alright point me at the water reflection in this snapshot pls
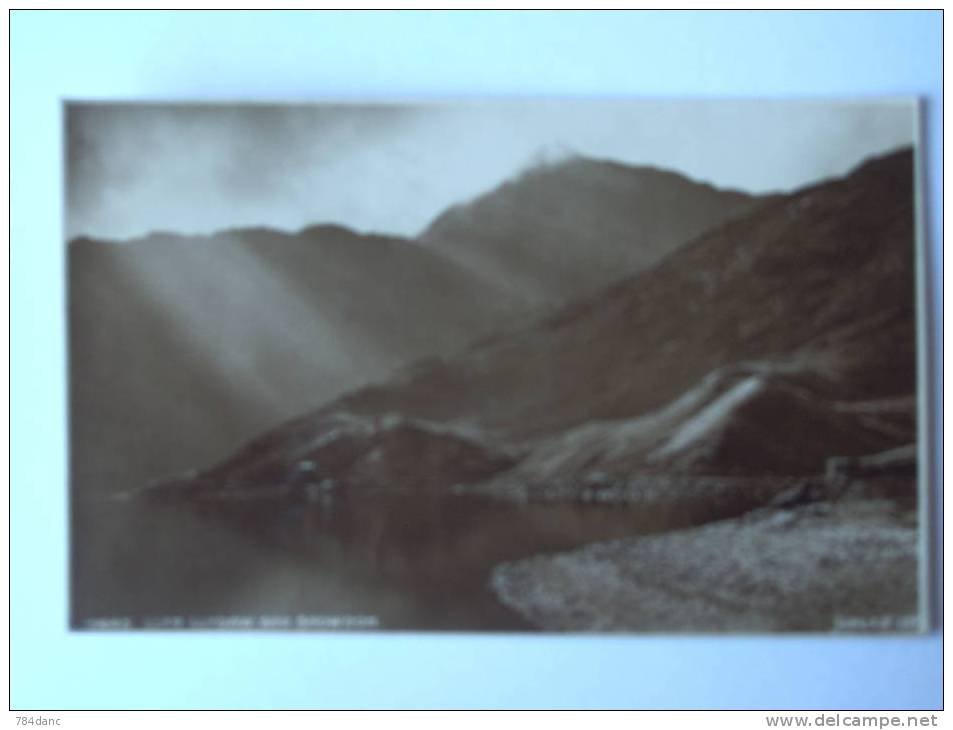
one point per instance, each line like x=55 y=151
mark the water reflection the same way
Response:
x=414 y=562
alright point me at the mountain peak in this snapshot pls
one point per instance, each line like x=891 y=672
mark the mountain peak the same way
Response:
x=566 y=227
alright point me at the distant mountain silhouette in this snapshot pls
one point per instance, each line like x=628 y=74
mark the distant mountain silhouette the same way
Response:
x=564 y=229
x=767 y=344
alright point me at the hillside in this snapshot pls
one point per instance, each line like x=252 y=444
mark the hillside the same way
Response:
x=182 y=347
x=822 y=279
x=765 y=346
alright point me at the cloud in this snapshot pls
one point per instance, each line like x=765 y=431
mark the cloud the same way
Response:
x=135 y=168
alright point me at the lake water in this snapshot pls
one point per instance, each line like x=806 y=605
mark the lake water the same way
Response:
x=386 y=561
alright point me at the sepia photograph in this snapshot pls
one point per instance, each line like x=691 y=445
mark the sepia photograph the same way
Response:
x=522 y=365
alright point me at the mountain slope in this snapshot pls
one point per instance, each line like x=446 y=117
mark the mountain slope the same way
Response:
x=565 y=229
x=182 y=347
x=814 y=291
x=824 y=275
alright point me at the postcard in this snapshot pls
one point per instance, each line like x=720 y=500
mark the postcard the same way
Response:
x=540 y=365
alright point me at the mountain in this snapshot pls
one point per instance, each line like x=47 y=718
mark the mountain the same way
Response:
x=823 y=277
x=768 y=344
x=182 y=347
x=564 y=229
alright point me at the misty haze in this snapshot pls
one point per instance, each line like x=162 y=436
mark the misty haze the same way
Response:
x=542 y=365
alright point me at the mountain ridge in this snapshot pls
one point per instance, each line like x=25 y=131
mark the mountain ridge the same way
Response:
x=182 y=347
x=815 y=289
x=556 y=231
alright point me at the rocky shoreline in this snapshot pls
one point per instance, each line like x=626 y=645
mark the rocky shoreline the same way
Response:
x=825 y=566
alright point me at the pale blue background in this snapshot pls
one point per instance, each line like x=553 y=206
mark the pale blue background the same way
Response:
x=236 y=56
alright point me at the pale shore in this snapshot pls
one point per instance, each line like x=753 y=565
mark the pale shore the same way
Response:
x=848 y=566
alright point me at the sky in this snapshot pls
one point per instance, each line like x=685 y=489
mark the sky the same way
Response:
x=392 y=168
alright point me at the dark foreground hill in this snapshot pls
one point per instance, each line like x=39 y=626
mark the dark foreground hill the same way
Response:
x=765 y=346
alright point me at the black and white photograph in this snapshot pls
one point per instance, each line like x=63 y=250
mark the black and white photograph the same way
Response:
x=504 y=365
